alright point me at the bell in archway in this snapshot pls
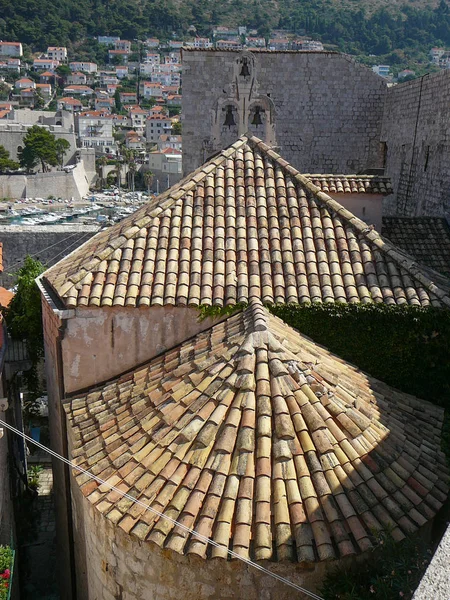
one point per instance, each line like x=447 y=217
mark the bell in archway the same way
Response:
x=245 y=72
x=257 y=120
x=229 y=117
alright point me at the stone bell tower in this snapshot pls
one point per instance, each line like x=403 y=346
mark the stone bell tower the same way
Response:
x=242 y=108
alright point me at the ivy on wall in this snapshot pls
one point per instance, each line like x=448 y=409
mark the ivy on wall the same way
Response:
x=406 y=347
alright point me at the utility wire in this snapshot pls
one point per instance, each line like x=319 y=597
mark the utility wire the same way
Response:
x=19 y=262
x=164 y=516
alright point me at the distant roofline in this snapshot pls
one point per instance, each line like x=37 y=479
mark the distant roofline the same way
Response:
x=263 y=50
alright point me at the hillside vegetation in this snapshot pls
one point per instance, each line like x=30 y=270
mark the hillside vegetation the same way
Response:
x=348 y=24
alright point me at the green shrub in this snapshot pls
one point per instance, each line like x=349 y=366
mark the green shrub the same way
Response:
x=406 y=347
x=392 y=572
x=6 y=561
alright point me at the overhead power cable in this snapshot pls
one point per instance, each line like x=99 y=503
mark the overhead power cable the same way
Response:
x=188 y=530
x=19 y=262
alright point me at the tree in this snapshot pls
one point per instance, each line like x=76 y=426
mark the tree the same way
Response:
x=39 y=146
x=101 y=163
x=62 y=146
x=176 y=127
x=24 y=319
x=39 y=101
x=5 y=91
x=63 y=70
x=132 y=168
x=6 y=164
x=117 y=101
x=148 y=178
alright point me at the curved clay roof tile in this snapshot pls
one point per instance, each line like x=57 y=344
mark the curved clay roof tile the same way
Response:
x=286 y=241
x=256 y=437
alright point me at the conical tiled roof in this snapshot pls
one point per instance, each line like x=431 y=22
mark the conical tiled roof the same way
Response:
x=255 y=436
x=245 y=225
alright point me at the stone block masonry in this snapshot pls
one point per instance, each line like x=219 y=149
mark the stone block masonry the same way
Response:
x=322 y=110
x=417 y=135
x=48 y=243
x=72 y=185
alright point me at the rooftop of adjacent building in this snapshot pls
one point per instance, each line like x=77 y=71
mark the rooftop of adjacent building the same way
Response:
x=255 y=436
x=245 y=225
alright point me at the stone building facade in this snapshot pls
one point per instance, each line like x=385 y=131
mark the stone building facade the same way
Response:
x=321 y=109
x=326 y=114
x=416 y=132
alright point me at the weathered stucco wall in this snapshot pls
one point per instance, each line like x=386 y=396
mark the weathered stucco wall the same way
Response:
x=102 y=343
x=48 y=243
x=321 y=109
x=416 y=129
x=367 y=207
x=86 y=347
x=112 y=565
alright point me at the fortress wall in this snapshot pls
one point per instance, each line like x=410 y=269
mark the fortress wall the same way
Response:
x=48 y=243
x=416 y=129
x=326 y=109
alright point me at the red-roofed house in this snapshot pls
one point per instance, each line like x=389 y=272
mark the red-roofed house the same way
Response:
x=122 y=71
x=150 y=89
x=134 y=141
x=45 y=64
x=137 y=118
x=79 y=90
x=58 y=53
x=11 y=49
x=128 y=97
x=86 y=67
x=124 y=45
x=95 y=130
x=77 y=78
x=157 y=125
x=47 y=77
x=45 y=89
x=122 y=54
x=103 y=103
x=152 y=43
x=24 y=83
x=70 y=104
x=173 y=100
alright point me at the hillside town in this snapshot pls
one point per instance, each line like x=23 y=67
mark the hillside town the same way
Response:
x=224 y=322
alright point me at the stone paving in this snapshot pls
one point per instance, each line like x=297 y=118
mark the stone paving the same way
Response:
x=38 y=552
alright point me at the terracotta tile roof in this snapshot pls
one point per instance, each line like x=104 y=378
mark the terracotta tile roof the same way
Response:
x=352 y=184
x=244 y=225
x=253 y=435
x=5 y=297
x=427 y=239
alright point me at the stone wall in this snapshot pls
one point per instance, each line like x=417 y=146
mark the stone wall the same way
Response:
x=12 y=134
x=322 y=110
x=48 y=243
x=71 y=185
x=416 y=130
x=112 y=565
x=13 y=187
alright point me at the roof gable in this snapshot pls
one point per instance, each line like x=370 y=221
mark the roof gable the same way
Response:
x=253 y=435
x=244 y=225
